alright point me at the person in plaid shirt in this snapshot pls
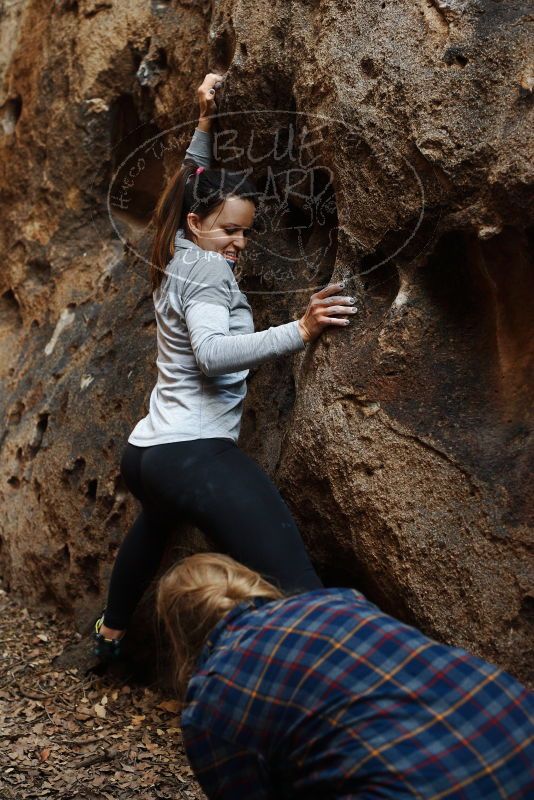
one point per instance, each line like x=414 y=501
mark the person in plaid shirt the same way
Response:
x=322 y=695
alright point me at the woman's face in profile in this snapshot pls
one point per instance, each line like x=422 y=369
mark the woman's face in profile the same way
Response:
x=226 y=228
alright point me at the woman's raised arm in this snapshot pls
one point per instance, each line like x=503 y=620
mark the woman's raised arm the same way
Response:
x=199 y=150
x=206 y=93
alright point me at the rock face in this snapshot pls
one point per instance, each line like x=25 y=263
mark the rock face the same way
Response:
x=401 y=443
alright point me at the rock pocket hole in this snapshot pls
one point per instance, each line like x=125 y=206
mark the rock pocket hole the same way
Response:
x=65 y=555
x=454 y=57
x=39 y=270
x=297 y=228
x=10 y=309
x=224 y=48
x=40 y=429
x=92 y=487
x=380 y=277
x=10 y=113
x=368 y=67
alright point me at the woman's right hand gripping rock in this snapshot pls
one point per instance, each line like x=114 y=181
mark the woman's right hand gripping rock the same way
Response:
x=321 y=308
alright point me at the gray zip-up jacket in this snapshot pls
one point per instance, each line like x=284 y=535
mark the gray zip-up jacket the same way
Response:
x=206 y=343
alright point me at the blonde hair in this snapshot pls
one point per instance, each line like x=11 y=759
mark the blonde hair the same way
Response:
x=196 y=593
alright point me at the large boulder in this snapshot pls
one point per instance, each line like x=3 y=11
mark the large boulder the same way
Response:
x=401 y=443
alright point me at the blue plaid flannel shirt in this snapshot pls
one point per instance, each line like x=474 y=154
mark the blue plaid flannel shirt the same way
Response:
x=322 y=695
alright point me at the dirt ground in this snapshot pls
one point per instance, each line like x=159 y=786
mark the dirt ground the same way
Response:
x=71 y=735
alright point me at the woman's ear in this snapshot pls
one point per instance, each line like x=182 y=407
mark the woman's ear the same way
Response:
x=193 y=221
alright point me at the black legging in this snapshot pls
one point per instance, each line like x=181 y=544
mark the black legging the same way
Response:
x=216 y=486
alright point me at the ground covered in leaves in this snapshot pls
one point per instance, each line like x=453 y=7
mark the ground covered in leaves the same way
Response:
x=71 y=735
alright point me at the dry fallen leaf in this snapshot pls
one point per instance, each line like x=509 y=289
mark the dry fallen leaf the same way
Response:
x=172 y=706
x=44 y=754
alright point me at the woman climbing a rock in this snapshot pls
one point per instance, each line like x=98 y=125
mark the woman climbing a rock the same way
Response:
x=182 y=461
x=321 y=695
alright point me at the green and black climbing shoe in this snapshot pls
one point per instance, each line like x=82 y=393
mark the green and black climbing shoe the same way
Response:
x=106 y=649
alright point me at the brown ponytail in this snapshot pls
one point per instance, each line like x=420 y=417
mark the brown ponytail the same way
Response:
x=166 y=220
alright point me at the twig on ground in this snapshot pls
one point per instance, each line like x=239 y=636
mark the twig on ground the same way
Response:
x=96 y=758
x=81 y=742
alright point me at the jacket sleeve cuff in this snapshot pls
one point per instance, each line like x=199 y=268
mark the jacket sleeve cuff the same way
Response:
x=288 y=338
x=298 y=336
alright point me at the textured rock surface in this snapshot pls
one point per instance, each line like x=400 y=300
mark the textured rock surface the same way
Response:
x=401 y=444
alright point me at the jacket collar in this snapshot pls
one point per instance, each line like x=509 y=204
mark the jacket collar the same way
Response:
x=230 y=617
x=181 y=242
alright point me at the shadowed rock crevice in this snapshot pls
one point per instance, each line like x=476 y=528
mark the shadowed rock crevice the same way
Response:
x=10 y=309
x=10 y=112
x=223 y=46
x=138 y=175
